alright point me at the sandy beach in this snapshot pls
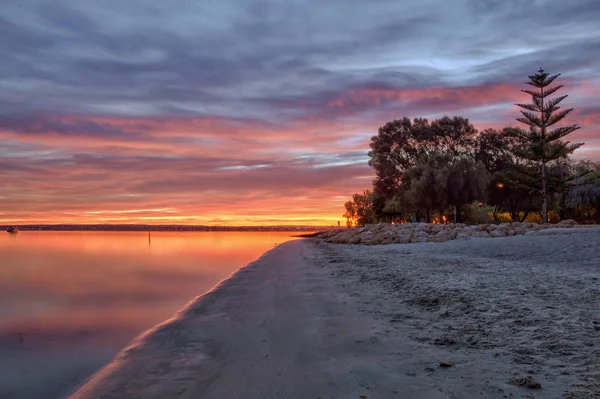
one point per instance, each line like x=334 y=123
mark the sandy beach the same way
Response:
x=513 y=317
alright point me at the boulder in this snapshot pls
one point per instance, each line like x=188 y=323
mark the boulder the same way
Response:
x=442 y=236
x=419 y=236
x=436 y=228
x=466 y=232
x=498 y=233
x=481 y=234
x=567 y=223
x=354 y=240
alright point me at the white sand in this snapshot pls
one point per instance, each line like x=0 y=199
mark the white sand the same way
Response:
x=314 y=320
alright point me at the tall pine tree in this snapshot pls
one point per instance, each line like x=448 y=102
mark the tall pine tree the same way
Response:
x=539 y=145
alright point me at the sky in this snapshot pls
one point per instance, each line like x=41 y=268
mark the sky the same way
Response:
x=257 y=112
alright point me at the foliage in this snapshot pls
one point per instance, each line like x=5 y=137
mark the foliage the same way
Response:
x=582 y=201
x=477 y=213
x=538 y=145
x=419 y=164
x=425 y=168
x=359 y=211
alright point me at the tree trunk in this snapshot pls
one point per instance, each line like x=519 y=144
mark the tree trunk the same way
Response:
x=441 y=212
x=458 y=215
x=427 y=215
x=418 y=216
x=544 y=195
x=495 y=213
x=514 y=215
x=525 y=214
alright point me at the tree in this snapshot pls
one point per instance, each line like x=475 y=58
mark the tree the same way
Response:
x=466 y=182
x=504 y=192
x=359 y=211
x=424 y=185
x=350 y=213
x=401 y=145
x=394 y=150
x=583 y=196
x=538 y=145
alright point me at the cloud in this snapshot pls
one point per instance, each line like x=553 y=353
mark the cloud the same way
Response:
x=219 y=109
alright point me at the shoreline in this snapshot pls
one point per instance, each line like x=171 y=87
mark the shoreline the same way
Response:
x=378 y=321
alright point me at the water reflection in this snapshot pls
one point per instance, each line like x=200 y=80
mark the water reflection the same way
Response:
x=70 y=300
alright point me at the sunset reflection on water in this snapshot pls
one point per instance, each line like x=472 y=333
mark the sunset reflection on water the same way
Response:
x=71 y=300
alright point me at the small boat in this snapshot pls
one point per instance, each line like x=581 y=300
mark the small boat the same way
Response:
x=12 y=230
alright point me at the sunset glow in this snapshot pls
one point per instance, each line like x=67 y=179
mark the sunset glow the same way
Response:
x=240 y=115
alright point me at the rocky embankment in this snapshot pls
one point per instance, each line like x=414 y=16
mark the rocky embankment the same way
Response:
x=376 y=234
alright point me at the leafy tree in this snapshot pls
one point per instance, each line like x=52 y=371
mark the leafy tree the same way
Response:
x=466 y=182
x=452 y=137
x=350 y=214
x=539 y=145
x=583 y=196
x=404 y=155
x=423 y=186
x=505 y=191
x=359 y=211
x=379 y=211
x=394 y=150
x=492 y=148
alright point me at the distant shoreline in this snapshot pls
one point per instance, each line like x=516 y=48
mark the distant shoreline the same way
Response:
x=178 y=228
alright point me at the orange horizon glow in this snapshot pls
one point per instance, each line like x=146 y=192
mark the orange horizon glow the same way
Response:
x=219 y=171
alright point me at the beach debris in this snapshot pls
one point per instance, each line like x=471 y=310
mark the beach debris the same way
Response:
x=526 y=382
x=446 y=364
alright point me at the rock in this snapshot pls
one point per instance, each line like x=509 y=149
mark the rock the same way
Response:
x=442 y=236
x=388 y=240
x=527 y=382
x=465 y=232
x=481 y=234
x=567 y=223
x=446 y=364
x=354 y=240
x=498 y=233
x=419 y=236
x=520 y=230
x=436 y=228
x=386 y=233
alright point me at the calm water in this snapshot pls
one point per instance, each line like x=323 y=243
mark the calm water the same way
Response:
x=70 y=300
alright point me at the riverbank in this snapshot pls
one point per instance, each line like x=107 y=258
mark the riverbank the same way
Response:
x=476 y=318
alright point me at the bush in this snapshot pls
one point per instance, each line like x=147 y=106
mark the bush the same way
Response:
x=477 y=213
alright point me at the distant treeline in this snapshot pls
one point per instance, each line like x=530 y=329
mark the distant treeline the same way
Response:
x=445 y=170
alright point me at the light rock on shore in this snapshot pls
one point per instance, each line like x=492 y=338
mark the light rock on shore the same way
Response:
x=384 y=233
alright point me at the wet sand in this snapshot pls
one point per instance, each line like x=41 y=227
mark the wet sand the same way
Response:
x=514 y=317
